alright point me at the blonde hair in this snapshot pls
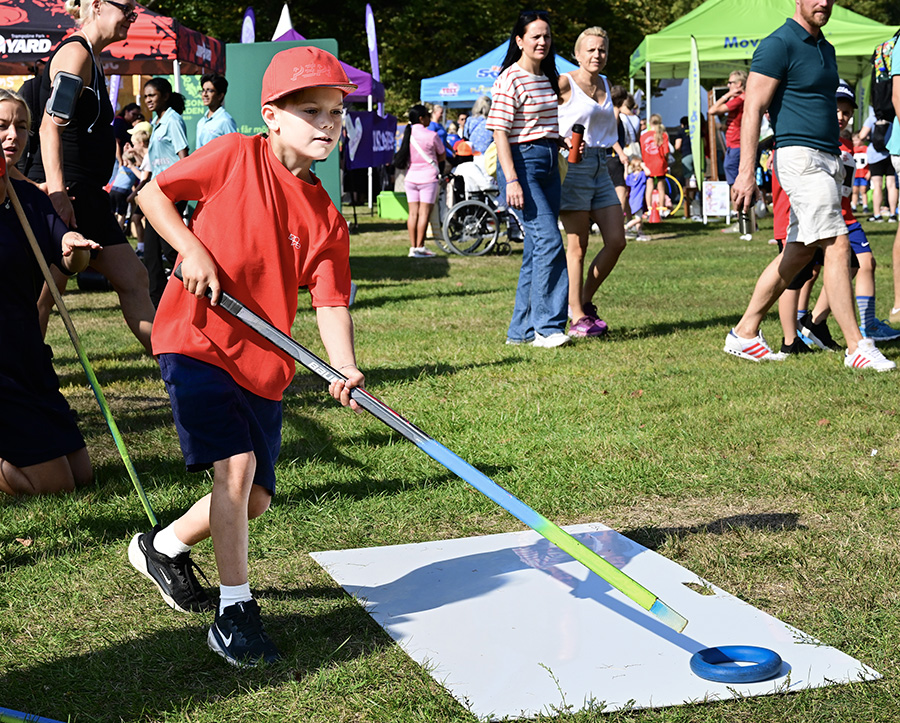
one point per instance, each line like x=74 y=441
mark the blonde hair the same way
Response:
x=594 y=32
x=740 y=75
x=81 y=10
x=635 y=164
x=141 y=137
x=13 y=97
x=656 y=125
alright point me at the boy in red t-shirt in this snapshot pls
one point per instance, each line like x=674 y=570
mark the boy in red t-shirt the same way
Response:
x=862 y=175
x=264 y=226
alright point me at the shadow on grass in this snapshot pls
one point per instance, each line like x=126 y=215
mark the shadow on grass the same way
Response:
x=654 y=537
x=120 y=369
x=155 y=674
x=365 y=301
x=399 y=267
x=724 y=323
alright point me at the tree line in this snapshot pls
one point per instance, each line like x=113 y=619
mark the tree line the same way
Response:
x=423 y=38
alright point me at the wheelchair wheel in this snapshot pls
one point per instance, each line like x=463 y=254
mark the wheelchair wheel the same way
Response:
x=442 y=211
x=471 y=228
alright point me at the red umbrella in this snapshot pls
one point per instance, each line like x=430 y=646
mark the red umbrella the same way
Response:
x=30 y=29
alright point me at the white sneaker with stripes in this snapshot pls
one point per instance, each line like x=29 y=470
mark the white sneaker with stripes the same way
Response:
x=755 y=349
x=867 y=356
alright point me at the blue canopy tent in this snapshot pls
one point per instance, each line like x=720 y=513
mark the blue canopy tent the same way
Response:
x=463 y=86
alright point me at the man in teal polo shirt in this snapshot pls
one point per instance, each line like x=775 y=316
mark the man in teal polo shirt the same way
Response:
x=893 y=147
x=793 y=76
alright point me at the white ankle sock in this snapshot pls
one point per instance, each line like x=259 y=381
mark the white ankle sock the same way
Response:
x=168 y=544
x=231 y=594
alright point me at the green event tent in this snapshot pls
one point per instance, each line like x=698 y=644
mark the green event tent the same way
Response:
x=728 y=31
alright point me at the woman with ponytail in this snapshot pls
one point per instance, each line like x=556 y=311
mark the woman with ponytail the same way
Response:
x=421 y=154
x=525 y=123
x=76 y=158
x=655 y=154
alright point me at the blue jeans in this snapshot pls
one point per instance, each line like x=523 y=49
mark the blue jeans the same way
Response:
x=543 y=289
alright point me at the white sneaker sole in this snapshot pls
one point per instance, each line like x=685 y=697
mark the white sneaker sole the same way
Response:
x=769 y=357
x=139 y=562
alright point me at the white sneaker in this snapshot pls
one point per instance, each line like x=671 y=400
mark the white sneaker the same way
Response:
x=755 y=349
x=413 y=252
x=867 y=356
x=426 y=253
x=553 y=340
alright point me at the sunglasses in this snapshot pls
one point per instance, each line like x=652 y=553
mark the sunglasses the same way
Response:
x=129 y=11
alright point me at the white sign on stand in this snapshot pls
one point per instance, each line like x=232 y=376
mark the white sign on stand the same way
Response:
x=716 y=200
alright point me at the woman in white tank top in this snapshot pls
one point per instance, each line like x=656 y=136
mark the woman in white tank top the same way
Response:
x=588 y=193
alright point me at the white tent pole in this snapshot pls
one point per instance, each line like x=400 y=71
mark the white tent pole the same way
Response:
x=647 y=74
x=176 y=71
x=371 y=170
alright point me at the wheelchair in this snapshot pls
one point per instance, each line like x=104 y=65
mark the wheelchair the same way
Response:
x=475 y=220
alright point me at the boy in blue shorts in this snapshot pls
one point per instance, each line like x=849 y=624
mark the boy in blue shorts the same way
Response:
x=812 y=324
x=264 y=227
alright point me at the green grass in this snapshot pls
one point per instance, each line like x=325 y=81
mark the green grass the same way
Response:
x=762 y=478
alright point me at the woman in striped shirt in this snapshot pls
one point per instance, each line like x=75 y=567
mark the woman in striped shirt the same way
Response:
x=524 y=120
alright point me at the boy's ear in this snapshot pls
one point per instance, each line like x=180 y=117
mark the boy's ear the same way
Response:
x=270 y=116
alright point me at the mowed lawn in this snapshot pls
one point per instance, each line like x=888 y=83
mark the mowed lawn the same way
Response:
x=778 y=482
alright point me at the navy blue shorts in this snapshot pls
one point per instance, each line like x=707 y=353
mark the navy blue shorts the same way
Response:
x=859 y=243
x=217 y=419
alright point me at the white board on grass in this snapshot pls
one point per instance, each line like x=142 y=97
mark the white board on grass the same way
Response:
x=512 y=626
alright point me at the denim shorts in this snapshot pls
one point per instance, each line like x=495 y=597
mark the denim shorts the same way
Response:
x=813 y=181
x=732 y=164
x=588 y=185
x=217 y=419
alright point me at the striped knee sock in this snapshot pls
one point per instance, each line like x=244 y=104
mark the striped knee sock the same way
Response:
x=801 y=313
x=866 y=305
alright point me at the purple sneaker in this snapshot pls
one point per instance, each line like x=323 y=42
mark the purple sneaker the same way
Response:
x=586 y=326
x=590 y=311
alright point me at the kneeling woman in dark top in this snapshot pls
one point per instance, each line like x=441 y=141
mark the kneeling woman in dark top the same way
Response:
x=41 y=449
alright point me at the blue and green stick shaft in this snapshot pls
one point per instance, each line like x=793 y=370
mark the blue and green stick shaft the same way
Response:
x=481 y=482
x=79 y=350
x=14 y=716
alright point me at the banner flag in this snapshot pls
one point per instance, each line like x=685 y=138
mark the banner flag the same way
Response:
x=370 y=139
x=694 y=113
x=248 y=26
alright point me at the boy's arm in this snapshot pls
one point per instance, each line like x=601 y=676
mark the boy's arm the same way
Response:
x=197 y=268
x=336 y=330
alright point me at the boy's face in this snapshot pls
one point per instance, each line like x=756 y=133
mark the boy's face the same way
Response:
x=310 y=123
x=844 y=113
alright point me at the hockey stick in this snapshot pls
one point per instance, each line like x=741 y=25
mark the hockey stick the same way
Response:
x=76 y=342
x=537 y=522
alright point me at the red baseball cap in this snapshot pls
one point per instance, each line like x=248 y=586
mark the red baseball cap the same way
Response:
x=303 y=67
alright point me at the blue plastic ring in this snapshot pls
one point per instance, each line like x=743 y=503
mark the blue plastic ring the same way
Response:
x=717 y=663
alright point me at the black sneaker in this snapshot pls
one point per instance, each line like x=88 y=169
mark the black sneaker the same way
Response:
x=818 y=334
x=795 y=347
x=238 y=636
x=173 y=576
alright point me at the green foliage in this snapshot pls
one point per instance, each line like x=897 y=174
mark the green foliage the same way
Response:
x=423 y=38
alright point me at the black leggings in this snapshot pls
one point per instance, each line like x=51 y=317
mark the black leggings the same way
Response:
x=159 y=258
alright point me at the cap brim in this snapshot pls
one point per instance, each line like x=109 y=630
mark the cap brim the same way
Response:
x=345 y=88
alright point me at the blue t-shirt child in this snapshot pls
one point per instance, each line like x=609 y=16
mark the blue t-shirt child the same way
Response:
x=893 y=142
